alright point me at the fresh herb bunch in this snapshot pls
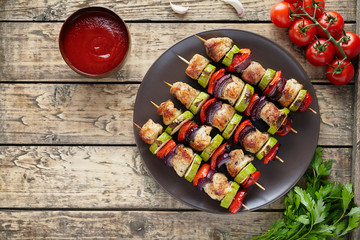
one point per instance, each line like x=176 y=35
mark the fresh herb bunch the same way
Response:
x=323 y=210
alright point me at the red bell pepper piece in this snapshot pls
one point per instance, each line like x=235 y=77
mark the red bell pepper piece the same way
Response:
x=238 y=58
x=166 y=149
x=202 y=172
x=216 y=76
x=252 y=102
x=217 y=153
x=272 y=153
x=285 y=128
x=305 y=103
x=204 y=109
x=240 y=128
x=251 y=179
x=183 y=130
x=238 y=200
x=272 y=83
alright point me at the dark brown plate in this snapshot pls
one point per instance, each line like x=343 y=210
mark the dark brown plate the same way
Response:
x=296 y=150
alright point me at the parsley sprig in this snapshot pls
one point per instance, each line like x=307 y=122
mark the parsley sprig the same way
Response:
x=323 y=210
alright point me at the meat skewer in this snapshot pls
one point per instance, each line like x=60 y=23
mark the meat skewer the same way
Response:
x=214 y=184
x=234 y=90
x=239 y=60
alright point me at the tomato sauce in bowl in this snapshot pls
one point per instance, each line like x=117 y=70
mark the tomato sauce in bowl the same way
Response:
x=94 y=42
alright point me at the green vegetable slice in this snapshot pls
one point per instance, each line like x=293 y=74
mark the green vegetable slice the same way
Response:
x=203 y=80
x=273 y=129
x=244 y=98
x=159 y=142
x=269 y=74
x=266 y=148
x=194 y=167
x=209 y=150
x=198 y=102
x=226 y=201
x=229 y=55
x=244 y=173
x=178 y=122
x=294 y=106
x=230 y=128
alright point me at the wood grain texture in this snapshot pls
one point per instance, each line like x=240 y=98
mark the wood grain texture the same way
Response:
x=103 y=113
x=151 y=10
x=99 y=178
x=131 y=225
x=30 y=52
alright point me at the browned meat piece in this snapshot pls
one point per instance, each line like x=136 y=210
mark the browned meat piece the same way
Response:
x=184 y=93
x=272 y=115
x=216 y=48
x=253 y=73
x=196 y=66
x=254 y=141
x=232 y=90
x=291 y=89
x=223 y=116
x=182 y=159
x=150 y=131
x=168 y=112
x=219 y=187
x=237 y=162
x=202 y=138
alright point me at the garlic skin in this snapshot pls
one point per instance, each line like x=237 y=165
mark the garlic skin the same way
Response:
x=178 y=9
x=237 y=5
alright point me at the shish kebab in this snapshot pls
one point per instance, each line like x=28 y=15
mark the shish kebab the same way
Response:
x=238 y=165
x=188 y=164
x=289 y=93
x=223 y=117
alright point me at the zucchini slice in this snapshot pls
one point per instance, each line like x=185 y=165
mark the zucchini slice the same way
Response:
x=226 y=201
x=209 y=150
x=194 y=167
x=159 y=142
x=265 y=80
x=266 y=148
x=178 y=122
x=244 y=98
x=199 y=102
x=205 y=75
x=244 y=173
x=294 y=106
x=230 y=128
x=229 y=56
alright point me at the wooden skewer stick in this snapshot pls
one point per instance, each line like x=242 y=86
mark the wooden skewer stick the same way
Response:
x=278 y=158
x=183 y=59
x=136 y=125
x=154 y=104
x=170 y=85
x=258 y=184
x=293 y=130
x=246 y=207
x=200 y=38
x=314 y=112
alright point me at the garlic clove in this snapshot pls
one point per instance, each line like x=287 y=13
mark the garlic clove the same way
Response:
x=178 y=9
x=237 y=5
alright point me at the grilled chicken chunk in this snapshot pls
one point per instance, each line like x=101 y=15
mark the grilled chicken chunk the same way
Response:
x=184 y=93
x=182 y=159
x=232 y=90
x=238 y=160
x=223 y=116
x=168 y=112
x=272 y=115
x=219 y=187
x=150 y=131
x=202 y=138
x=253 y=73
x=216 y=48
x=255 y=140
x=291 y=89
x=196 y=66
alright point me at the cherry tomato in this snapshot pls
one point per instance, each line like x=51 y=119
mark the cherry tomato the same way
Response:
x=340 y=74
x=202 y=172
x=336 y=24
x=291 y=1
x=310 y=8
x=320 y=52
x=302 y=32
x=350 y=43
x=280 y=14
x=238 y=200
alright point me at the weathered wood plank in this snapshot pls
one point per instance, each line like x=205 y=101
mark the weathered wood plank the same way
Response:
x=99 y=177
x=34 y=55
x=102 y=113
x=55 y=10
x=131 y=225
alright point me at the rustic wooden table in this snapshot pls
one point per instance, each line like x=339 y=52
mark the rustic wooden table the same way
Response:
x=69 y=167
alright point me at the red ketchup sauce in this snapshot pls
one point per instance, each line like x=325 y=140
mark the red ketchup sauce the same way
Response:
x=95 y=43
